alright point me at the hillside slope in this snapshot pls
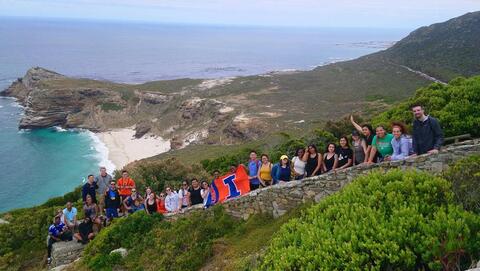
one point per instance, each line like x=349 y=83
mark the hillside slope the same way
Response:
x=233 y=110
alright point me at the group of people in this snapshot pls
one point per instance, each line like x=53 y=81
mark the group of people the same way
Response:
x=104 y=199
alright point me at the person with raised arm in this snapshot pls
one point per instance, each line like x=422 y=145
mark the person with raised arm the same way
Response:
x=367 y=131
x=359 y=148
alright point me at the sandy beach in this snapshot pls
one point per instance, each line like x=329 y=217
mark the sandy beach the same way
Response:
x=123 y=148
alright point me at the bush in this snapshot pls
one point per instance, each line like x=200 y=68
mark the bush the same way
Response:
x=394 y=221
x=465 y=178
x=184 y=244
x=455 y=105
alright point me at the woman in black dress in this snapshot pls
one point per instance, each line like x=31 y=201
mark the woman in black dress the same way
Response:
x=151 y=203
x=330 y=158
x=314 y=160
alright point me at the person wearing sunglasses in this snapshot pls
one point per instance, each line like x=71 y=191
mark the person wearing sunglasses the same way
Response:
x=161 y=204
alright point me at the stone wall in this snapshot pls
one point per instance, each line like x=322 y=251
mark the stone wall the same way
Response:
x=278 y=199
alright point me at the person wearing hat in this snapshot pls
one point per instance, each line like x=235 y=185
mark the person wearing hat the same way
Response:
x=281 y=172
x=359 y=148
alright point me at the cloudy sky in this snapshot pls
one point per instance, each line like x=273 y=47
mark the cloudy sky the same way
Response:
x=311 y=13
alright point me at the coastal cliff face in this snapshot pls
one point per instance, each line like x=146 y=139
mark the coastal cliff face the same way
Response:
x=231 y=110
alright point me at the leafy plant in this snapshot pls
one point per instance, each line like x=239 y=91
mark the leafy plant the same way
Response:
x=394 y=221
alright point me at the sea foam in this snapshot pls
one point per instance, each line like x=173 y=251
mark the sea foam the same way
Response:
x=102 y=152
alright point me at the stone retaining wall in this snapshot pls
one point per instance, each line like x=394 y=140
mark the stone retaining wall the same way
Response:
x=278 y=199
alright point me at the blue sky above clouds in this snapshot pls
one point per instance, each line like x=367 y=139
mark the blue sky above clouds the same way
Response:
x=343 y=13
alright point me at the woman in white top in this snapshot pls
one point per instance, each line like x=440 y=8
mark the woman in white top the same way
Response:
x=298 y=164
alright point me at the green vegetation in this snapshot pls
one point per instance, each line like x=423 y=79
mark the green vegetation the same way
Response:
x=456 y=105
x=111 y=107
x=23 y=239
x=465 y=178
x=445 y=50
x=394 y=221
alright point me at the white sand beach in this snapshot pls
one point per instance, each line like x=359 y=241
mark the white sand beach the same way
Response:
x=123 y=148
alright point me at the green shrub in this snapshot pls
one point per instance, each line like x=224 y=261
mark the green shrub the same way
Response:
x=184 y=244
x=455 y=105
x=394 y=221
x=465 y=178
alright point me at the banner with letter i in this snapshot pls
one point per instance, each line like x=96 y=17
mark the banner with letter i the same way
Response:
x=230 y=186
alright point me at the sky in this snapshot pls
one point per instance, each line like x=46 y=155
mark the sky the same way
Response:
x=301 y=13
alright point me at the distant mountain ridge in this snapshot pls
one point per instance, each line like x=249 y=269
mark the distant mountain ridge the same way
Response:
x=443 y=50
x=232 y=110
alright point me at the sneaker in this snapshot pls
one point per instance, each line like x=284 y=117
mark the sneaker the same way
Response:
x=49 y=260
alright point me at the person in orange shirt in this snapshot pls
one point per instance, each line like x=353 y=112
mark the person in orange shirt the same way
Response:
x=125 y=186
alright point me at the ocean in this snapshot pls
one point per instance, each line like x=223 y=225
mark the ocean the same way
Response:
x=37 y=165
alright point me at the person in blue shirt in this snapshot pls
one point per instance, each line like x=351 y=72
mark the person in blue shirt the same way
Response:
x=70 y=216
x=57 y=232
x=282 y=172
x=112 y=202
x=253 y=167
x=89 y=188
x=401 y=142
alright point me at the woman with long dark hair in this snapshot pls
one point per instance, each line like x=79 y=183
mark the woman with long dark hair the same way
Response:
x=345 y=154
x=330 y=158
x=313 y=161
x=299 y=164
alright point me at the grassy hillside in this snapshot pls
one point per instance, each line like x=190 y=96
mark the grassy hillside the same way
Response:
x=444 y=50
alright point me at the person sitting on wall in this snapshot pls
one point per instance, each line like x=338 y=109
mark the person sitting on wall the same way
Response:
x=70 y=216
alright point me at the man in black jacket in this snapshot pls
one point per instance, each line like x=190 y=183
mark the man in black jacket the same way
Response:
x=427 y=134
x=112 y=201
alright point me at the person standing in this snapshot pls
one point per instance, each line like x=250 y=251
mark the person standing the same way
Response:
x=103 y=181
x=70 y=216
x=401 y=142
x=368 y=135
x=382 y=144
x=184 y=195
x=359 y=148
x=313 y=160
x=330 y=158
x=427 y=133
x=195 y=193
x=264 y=174
x=112 y=202
x=253 y=168
x=205 y=192
x=89 y=188
x=299 y=164
x=171 y=201
x=125 y=185
x=284 y=172
x=345 y=154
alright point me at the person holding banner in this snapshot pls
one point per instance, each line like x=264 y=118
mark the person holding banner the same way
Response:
x=253 y=168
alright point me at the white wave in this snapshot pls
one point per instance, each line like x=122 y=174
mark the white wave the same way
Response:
x=102 y=152
x=24 y=131
x=60 y=129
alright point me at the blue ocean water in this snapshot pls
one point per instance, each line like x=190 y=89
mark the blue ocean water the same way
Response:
x=37 y=165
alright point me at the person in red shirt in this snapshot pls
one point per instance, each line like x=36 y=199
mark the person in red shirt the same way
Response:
x=125 y=186
x=161 y=204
